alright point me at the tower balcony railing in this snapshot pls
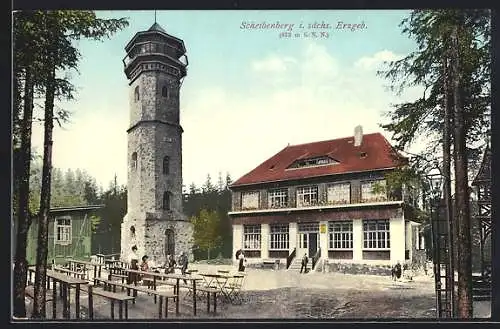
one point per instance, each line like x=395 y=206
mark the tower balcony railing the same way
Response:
x=154 y=48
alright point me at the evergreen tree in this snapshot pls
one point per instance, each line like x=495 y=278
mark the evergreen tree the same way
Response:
x=58 y=30
x=452 y=63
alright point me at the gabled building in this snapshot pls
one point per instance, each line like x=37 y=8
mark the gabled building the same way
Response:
x=327 y=199
x=69 y=235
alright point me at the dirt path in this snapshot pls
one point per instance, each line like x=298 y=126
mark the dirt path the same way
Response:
x=282 y=294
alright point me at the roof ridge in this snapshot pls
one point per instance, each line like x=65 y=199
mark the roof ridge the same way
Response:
x=335 y=139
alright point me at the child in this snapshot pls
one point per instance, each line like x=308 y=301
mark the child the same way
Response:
x=145 y=266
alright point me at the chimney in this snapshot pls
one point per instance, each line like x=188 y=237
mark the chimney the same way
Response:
x=358 y=135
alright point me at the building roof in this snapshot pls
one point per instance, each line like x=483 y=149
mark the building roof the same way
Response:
x=155 y=29
x=77 y=208
x=374 y=153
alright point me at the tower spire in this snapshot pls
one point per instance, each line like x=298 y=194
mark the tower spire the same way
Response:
x=155 y=16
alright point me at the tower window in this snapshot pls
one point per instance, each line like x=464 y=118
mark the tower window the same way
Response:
x=166 y=200
x=136 y=94
x=134 y=161
x=166 y=165
x=164 y=92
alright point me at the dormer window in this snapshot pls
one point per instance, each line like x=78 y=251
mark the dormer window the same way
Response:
x=312 y=162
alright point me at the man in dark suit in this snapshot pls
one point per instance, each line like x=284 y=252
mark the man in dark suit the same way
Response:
x=305 y=260
x=183 y=261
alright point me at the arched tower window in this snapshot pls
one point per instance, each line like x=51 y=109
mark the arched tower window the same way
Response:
x=136 y=94
x=132 y=231
x=164 y=92
x=169 y=242
x=166 y=165
x=166 y=200
x=134 y=161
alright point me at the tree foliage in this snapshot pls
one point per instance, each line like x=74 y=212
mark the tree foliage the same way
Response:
x=43 y=47
x=452 y=64
x=212 y=198
x=424 y=68
x=206 y=234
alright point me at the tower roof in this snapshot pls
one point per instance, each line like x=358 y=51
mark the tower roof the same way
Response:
x=156 y=27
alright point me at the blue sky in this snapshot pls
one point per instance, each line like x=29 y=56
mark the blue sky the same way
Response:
x=248 y=93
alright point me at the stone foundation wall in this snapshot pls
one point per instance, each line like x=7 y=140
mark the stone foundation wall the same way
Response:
x=155 y=239
x=357 y=268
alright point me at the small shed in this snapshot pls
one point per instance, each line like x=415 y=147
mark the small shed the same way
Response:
x=69 y=235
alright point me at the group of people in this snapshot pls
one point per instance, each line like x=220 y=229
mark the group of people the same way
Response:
x=145 y=265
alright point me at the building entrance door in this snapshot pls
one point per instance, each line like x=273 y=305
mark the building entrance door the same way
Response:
x=313 y=244
x=308 y=242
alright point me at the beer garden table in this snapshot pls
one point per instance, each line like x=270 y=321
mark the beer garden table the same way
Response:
x=219 y=281
x=177 y=277
x=65 y=283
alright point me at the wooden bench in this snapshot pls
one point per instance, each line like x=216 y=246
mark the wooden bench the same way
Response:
x=112 y=296
x=122 y=277
x=111 y=285
x=81 y=275
x=268 y=263
x=30 y=292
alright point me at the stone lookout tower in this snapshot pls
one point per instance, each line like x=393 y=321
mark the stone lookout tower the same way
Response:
x=155 y=66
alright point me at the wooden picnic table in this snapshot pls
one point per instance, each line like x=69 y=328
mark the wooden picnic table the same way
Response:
x=221 y=279
x=97 y=266
x=177 y=277
x=65 y=284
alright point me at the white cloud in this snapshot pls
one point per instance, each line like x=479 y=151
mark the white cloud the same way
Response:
x=273 y=63
x=371 y=62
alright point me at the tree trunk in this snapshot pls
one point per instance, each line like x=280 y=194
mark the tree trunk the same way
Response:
x=464 y=302
x=447 y=179
x=43 y=226
x=24 y=221
x=208 y=251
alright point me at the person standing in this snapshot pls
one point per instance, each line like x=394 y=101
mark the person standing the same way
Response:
x=305 y=260
x=170 y=268
x=183 y=260
x=241 y=262
x=133 y=260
